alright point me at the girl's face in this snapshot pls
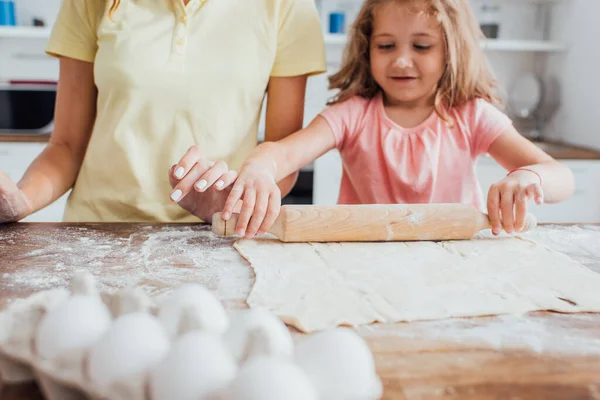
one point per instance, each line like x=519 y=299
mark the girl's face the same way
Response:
x=407 y=53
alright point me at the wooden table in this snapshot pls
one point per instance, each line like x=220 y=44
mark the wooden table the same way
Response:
x=535 y=356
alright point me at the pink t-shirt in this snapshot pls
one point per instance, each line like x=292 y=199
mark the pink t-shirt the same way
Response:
x=385 y=163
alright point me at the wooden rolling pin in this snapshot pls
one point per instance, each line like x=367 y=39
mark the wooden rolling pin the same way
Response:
x=373 y=223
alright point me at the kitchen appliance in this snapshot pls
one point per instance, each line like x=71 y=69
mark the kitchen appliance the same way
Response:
x=27 y=106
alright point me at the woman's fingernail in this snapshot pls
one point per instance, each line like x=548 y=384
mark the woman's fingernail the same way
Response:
x=176 y=195
x=219 y=184
x=241 y=232
x=540 y=200
x=226 y=215
x=201 y=184
x=179 y=173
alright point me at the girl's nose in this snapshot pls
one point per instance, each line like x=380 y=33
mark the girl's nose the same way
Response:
x=404 y=62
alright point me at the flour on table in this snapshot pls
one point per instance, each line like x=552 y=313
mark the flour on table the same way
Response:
x=315 y=286
x=155 y=260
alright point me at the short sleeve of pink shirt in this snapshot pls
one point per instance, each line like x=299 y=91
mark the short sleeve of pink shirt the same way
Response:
x=485 y=122
x=346 y=118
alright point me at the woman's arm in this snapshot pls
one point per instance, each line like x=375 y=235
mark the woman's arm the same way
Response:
x=538 y=176
x=54 y=171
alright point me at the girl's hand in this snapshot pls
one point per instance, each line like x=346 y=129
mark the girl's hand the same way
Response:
x=193 y=176
x=14 y=206
x=507 y=200
x=261 y=199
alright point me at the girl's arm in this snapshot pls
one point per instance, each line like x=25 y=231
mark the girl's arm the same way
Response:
x=54 y=171
x=270 y=163
x=285 y=115
x=533 y=174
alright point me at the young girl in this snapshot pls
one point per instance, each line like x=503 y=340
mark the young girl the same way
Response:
x=413 y=112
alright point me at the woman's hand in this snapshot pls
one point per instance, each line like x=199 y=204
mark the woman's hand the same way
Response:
x=507 y=200
x=200 y=186
x=257 y=187
x=14 y=205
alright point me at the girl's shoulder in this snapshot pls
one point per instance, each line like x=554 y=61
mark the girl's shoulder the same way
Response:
x=477 y=110
x=355 y=105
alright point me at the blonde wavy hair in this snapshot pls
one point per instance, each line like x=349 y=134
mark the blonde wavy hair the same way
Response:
x=467 y=74
x=113 y=7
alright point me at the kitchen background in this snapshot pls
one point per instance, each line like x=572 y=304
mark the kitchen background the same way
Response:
x=541 y=50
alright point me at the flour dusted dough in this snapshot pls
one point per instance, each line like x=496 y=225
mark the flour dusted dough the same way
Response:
x=315 y=286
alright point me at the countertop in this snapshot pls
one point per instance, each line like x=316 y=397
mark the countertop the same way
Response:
x=539 y=355
x=557 y=150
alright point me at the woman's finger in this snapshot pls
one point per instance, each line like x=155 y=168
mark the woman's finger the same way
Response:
x=210 y=176
x=226 y=179
x=187 y=162
x=185 y=185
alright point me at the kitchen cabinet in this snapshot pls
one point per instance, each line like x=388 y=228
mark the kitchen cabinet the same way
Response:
x=14 y=160
x=582 y=207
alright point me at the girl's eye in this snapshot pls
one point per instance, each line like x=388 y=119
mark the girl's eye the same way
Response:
x=422 y=47
x=385 y=46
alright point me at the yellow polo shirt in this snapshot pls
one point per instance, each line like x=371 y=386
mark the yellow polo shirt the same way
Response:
x=170 y=76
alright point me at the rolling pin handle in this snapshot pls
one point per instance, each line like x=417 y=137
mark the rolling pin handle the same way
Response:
x=221 y=227
x=530 y=223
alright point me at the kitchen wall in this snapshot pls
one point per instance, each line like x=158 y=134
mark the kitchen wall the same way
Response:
x=577 y=71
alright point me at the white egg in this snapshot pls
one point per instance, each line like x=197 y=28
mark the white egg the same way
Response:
x=135 y=343
x=191 y=307
x=258 y=332
x=267 y=378
x=76 y=324
x=340 y=364
x=198 y=365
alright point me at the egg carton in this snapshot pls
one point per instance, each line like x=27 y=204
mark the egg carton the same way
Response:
x=79 y=343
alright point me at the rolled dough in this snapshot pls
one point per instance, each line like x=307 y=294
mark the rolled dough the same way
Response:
x=316 y=286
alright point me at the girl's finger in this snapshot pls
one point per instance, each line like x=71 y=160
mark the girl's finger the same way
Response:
x=189 y=159
x=520 y=210
x=248 y=204
x=272 y=212
x=507 y=208
x=210 y=176
x=226 y=180
x=539 y=194
x=260 y=210
x=234 y=196
x=493 y=205
x=185 y=185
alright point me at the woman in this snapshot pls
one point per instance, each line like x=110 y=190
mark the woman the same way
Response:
x=141 y=81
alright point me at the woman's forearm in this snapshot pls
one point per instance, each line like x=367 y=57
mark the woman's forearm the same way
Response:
x=50 y=175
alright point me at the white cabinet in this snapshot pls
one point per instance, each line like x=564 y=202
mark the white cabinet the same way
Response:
x=582 y=207
x=14 y=160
